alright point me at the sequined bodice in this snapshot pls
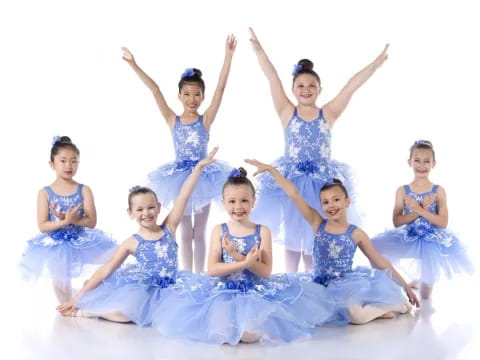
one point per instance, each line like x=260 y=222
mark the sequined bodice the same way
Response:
x=190 y=140
x=420 y=226
x=332 y=254
x=157 y=258
x=243 y=244
x=63 y=202
x=307 y=140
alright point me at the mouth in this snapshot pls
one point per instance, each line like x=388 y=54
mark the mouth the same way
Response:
x=239 y=213
x=333 y=212
x=147 y=219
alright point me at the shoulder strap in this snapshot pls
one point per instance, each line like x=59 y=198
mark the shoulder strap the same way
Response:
x=79 y=189
x=435 y=189
x=49 y=191
x=295 y=112
x=351 y=229
x=322 y=225
x=138 y=237
x=406 y=188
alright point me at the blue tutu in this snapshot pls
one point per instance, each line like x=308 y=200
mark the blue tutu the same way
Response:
x=62 y=254
x=436 y=251
x=307 y=164
x=135 y=289
x=218 y=310
x=190 y=142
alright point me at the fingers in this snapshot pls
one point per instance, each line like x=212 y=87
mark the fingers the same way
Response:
x=252 y=34
x=212 y=153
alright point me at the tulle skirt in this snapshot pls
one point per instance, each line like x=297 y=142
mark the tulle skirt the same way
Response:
x=168 y=179
x=63 y=254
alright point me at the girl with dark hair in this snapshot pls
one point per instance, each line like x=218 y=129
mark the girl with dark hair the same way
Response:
x=420 y=215
x=364 y=294
x=307 y=158
x=190 y=133
x=67 y=218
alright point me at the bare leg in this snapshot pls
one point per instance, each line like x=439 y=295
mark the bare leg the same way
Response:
x=426 y=291
x=63 y=290
x=199 y=231
x=292 y=259
x=307 y=262
x=187 y=237
x=363 y=314
x=249 y=336
x=115 y=316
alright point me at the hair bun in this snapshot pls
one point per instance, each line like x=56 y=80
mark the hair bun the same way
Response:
x=336 y=181
x=197 y=72
x=243 y=171
x=306 y=64
x=65 y=139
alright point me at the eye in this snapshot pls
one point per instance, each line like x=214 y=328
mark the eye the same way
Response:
x=231 y=201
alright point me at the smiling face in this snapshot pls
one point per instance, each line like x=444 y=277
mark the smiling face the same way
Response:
x=334 y=203
x=422 y=162
x=144 y=209
x=191 y=96
x=238 y=201
x=65 y=163
x=306 y=89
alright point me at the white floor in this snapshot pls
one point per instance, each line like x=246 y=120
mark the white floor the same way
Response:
x=445 y=328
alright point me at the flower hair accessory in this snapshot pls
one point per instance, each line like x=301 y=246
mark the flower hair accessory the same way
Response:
x=55 y=139
x=134 y=188
x=235 y=173
x=187 y=73
x=423 y=142
x=296 y=69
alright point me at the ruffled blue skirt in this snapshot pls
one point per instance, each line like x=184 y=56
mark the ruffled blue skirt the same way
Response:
x=168 y=179
x=275 y=209
x=280 y=309
x=62 y=254
x=437 y=252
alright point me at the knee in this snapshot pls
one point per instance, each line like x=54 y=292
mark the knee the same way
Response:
x=357 y=315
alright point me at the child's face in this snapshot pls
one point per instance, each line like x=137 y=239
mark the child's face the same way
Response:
x=334 y=203
x=238 y=201
x=144 y=210
x=306 y=89
x=65 y=163
x=191 y=96
x=421 y=162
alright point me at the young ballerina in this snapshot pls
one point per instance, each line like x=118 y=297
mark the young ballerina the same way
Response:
x=366 y=294
x=421 y=217
x=307 y=156
x=190 y=132
x=66 y=218
x=131 y=292
x=242 y=302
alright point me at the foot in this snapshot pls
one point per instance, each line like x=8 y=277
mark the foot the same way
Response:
x=405 y=308
x=388 y=315
x=250 y=337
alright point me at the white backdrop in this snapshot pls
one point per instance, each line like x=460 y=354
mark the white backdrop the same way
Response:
x=62 y=74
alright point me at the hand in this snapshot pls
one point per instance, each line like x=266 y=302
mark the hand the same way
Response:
x=261 y=167
x=428 y=200
x=58 y=214
x=413 y=204
x=71 y=216
x=128 y=56
x=209 y=159
x=412 y=298
x=68 y=307
x=230 y=45
x=252 y=257
x=227 y=245
x=254 y=41
x=382 y=57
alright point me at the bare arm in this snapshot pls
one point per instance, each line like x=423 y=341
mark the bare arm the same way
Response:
x=167 y=113
x=440 y=219
x=211 y=112
x=283 y=105
x=175 y=216
x=377 y=260
x=90 y=214
x=399 y=218
x=333 y=109
x=43 y=220
x=262 y=267
x=312 y=216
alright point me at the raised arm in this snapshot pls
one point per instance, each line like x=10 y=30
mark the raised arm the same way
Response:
x=175 y=216
x=216 y=267
x=312 y=216
x=399 y=218
x=211 y=112
x=440 y=219
x=333 y=109
x=167 y=113
x=379 y=262
x=125 y=249
x=282 y=104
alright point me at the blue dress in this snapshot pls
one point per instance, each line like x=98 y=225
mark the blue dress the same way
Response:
x=437 y=250
x=332 y=268
x=135 y=289
x=62 y=254
x=190 y=142
x=218 y=309
x=307 y=163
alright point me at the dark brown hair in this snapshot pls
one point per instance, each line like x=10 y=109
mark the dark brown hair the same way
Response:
x=136 y=190
x=422 y=144
x=239 y=177
x=305 y=66
x=191 y=76
x=335 y=183
x=61 y=142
